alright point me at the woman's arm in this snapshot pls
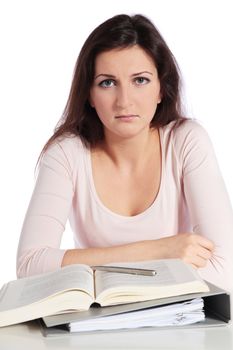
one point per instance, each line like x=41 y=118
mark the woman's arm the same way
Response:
x=207 y=199
x=39 y=245
x=191 y=248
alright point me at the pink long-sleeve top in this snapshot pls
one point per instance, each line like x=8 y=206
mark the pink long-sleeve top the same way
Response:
x=192 y=198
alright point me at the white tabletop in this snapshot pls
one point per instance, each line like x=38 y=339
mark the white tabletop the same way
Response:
x=29 y=336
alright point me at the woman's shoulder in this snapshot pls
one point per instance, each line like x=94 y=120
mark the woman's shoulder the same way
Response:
x=66 y=150
x=189 y=141
x=187 y=132
x=67 y=143
x=185 y=126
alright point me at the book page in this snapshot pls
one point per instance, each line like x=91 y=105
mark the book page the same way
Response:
x=171 y=273
x=33 y=289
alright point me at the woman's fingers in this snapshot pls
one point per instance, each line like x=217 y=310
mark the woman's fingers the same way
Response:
x=190 y=247
x=196 y=249
x=205 y=242
x=198 y=260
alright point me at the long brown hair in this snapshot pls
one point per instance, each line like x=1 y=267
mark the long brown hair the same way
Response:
x=120 y=31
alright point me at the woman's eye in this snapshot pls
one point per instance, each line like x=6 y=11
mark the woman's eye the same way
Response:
x=141 y=81
x=106 y=83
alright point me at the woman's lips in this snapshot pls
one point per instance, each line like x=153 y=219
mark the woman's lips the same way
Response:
x=127 y=118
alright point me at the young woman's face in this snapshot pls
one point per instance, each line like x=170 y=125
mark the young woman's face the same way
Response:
x=125 y=91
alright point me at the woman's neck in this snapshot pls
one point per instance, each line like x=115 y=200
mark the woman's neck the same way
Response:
x=131 y=153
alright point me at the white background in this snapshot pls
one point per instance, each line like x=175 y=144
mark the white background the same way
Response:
x=39 y=44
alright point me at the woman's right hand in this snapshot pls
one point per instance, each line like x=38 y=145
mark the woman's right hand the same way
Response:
x=192 y=248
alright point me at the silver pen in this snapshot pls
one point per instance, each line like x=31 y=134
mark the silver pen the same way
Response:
x=121 y=269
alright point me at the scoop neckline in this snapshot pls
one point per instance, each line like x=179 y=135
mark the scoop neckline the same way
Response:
x=109 y=211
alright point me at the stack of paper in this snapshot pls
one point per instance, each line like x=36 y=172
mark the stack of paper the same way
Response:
x=184 y=313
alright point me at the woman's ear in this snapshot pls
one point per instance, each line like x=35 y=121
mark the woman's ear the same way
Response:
x=159 y=98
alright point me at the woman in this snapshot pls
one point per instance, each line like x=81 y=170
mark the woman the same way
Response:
x=137 y=180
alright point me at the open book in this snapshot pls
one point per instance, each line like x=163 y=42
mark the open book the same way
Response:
x=76 y=287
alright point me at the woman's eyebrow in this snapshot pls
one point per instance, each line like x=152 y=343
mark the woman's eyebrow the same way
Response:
x=113 y=76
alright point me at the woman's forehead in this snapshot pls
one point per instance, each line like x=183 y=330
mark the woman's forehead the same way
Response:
x=129 y=58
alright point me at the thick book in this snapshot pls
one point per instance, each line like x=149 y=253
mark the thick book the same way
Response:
x=76 y=288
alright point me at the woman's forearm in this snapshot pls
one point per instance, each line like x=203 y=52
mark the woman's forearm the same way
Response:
x=143 y=250
x=193 y=249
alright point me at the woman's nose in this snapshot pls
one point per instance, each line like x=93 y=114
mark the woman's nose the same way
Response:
x=123 y=98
